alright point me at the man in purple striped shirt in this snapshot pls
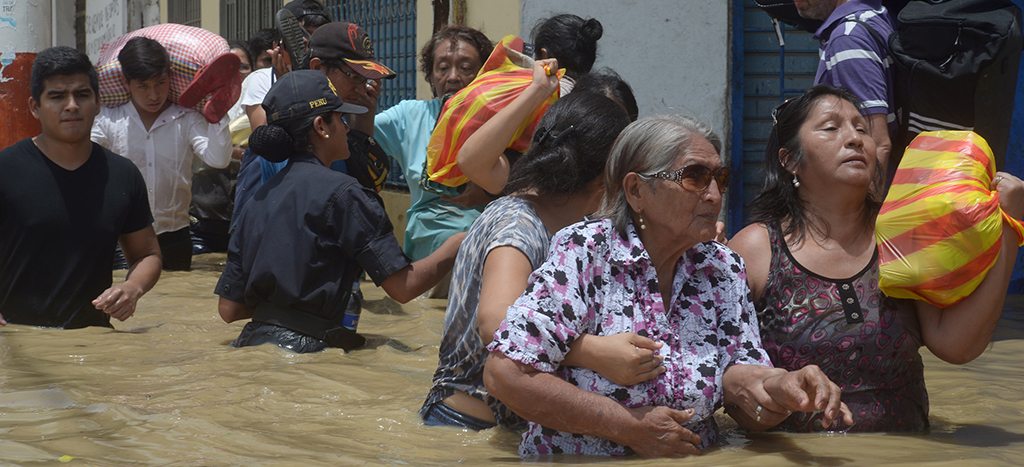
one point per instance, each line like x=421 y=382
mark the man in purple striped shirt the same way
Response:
x=852 y=57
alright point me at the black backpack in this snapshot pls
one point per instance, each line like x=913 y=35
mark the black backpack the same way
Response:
x=955 y=67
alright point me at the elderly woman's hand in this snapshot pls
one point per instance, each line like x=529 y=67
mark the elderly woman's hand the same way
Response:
x=809 y=390
x=1011 y=194
x=625 y=359
x=661 y=433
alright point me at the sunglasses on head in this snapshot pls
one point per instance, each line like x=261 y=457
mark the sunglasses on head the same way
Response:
x=696 y=177
x=777 y=111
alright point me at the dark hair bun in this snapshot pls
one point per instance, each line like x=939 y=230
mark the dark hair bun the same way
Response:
x=272 y=142
x=591 y=30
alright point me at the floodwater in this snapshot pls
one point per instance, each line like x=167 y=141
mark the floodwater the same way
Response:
x=166 y=388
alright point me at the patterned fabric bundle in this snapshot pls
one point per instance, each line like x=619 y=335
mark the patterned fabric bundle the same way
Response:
x=204 y=72
x=940 y=228
x=505 y=75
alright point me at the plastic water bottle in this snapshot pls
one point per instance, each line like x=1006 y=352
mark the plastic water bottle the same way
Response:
x=350 y=320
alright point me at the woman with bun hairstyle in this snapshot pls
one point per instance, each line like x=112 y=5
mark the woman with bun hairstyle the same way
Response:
x=309 y=231
x=572 y=41
x=558 y=182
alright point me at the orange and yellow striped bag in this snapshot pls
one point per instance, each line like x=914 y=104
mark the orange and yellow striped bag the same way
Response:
x=505 y=75
x=940 y=228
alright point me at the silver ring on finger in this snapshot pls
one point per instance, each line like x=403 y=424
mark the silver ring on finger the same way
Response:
x=757 y=412
x=998 y=179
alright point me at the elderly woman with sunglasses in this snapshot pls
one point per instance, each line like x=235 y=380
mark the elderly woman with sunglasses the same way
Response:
x=645 y=264
x=813 y=268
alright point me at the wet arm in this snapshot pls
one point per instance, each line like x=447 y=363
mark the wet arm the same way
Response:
x=554 y=403
x=143 y=254
x=960 y=333
x=505 y=273
x=411 y=281
x=232 y=311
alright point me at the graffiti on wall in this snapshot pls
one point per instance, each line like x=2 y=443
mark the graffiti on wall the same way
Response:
x=105 y=20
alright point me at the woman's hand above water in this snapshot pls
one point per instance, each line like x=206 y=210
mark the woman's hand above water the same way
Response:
x=661 y=433
x=759 y=397
x=809 y=390
x=1011 y=193
x=625 y=359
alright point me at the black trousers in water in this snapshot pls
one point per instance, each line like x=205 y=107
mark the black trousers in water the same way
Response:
x=176 y=248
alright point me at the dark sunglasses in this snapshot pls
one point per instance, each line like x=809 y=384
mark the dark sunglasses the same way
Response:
x=696 y=177
x=357 y=78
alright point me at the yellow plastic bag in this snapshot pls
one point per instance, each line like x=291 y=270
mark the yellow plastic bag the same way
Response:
x=940 y=228
x=505 y=75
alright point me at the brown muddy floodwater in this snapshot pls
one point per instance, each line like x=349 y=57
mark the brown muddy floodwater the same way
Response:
x=165 y=388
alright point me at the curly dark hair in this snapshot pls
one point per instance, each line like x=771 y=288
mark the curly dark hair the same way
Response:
x=453 y=33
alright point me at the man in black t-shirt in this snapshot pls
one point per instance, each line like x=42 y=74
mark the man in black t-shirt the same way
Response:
x=64 y=203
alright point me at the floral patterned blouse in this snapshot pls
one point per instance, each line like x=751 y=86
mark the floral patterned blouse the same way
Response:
x=596 y=281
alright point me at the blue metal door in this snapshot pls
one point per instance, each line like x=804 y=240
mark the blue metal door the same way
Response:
x=391 y=25
x=764 y=74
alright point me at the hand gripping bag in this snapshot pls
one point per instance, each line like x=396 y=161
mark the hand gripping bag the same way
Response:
x=505 y=75
x=940 y=228
x=204 y=72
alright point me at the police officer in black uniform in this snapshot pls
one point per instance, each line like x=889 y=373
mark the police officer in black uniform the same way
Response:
x=307 y=232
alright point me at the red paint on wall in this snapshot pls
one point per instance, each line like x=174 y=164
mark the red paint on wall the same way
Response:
x=16 y=120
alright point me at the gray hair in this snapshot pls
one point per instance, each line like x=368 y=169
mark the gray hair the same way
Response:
x=646 y=146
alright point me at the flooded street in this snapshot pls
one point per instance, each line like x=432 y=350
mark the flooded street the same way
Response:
x=166 y=388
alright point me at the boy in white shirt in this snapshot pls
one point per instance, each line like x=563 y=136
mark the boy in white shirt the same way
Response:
x=161 y=138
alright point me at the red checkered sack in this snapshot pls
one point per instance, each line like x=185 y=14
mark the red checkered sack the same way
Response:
x=191 y=50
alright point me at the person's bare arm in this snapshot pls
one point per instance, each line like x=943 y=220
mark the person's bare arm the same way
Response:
x=143 y=254
x=505 y=273
x=482 y=157
x=231 y=310
x=879 y=127
x=554 y=403
x=418 y=277
x=753 y=246
x=257 y=116
x=960 y=333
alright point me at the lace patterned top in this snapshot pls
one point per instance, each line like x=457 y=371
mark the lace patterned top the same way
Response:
x=864 y=341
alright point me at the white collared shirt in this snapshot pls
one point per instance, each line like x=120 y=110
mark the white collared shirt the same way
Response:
x=164 y=154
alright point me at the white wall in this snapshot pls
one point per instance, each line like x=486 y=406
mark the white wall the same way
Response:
x=674 y=53
x=24 y=27
x=105 y=20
